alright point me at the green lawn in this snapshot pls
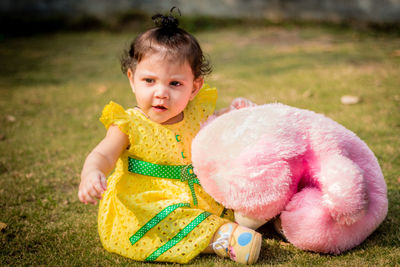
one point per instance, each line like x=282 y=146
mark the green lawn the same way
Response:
x=53 y=88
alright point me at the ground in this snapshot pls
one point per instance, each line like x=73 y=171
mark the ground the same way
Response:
x=53 y=88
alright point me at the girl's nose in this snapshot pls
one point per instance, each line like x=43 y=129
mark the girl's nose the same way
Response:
x=161 y=92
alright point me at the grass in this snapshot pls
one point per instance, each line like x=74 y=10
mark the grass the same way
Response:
x=53 y=88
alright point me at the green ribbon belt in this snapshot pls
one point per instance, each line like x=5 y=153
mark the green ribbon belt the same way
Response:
x=179 y=172
x=179 y=236
x=155 y=220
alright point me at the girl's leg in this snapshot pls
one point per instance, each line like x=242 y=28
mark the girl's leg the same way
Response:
x=239 y=243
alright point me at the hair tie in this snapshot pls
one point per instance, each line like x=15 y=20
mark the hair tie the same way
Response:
x=167 y=21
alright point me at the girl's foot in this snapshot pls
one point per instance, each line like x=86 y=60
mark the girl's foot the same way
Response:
x=239 y=243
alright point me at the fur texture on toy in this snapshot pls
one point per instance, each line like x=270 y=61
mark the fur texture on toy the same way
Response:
x=270 y=160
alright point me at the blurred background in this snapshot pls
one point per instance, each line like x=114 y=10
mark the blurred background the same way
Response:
x=25 y=16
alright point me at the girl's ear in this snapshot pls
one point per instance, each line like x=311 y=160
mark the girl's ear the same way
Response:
x=197 y=85
x=130 y=74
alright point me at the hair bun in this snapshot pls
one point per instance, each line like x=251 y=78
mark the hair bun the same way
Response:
x=166 y=21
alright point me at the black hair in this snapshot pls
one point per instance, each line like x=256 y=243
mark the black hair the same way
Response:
x=168 y=38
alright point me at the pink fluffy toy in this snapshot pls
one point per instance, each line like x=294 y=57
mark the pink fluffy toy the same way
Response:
x=271 y=160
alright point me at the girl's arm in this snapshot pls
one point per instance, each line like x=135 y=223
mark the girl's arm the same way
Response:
x=100 y=163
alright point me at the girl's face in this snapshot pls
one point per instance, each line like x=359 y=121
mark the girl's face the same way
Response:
x=163 y=88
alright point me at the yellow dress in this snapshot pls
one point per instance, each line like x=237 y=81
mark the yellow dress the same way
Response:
x=147 y=218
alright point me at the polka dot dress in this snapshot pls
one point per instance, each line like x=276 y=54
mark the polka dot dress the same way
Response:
x=148 y=218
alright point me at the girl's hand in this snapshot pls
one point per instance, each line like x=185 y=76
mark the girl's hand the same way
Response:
x=100 y=162
x=237 y=103
x=241 y=102
x=92 y=186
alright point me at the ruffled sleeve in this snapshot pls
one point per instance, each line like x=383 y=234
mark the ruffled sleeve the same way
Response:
x=203 y=105
x=114 y=113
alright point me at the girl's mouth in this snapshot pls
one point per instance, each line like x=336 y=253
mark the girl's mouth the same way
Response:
x=159 y=108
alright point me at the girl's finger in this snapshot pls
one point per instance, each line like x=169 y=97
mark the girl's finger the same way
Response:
x=83 y=198
x=103 y=182
x=92 y=194
x=90 y=198
x=80 y=196
x=99 y=189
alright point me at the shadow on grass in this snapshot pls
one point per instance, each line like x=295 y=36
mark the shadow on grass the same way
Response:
x=56 y=59
x=27 y=62
x=388 y=233
x=275 y=249
x=36 y=61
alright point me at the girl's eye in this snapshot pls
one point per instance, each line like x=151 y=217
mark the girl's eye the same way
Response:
x=175 y=83
x=148 y=80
